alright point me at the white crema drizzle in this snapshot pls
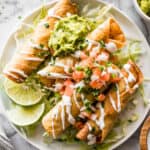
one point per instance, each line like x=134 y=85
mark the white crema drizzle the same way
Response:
x=51 y=13
x=11 y=74
x=54 y=116
x=93 y=43
x=117 y=107
x=100 y=121
x=20 y=72
x=75 y=99
x=112 y=102
x=37 y=46
x=66 y=68
x=33 y=59
x=118 y=99
x=52 y=74
x=130 y=75
x=66 y=102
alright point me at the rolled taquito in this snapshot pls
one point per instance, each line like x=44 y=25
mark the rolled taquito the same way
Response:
x=35 y=51
x=116 y=100
x=59 y=70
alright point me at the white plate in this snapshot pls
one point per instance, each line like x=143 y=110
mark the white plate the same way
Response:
x=131 y=31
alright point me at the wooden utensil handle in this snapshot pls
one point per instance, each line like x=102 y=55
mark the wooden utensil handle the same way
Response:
x=144 y=134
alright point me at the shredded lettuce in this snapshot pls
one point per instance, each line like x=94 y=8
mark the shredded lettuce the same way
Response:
x=28 y=130
x=98 y=14
x=1 y=83
x=132 y=51
x=135 y=102
x=133 y=118
x=27 y=28
x=142 y=92
x=42 y=14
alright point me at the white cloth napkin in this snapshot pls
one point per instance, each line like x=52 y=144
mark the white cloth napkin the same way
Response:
x=5 y=143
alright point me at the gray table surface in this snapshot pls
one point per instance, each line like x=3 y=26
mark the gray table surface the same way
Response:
x=10 y=12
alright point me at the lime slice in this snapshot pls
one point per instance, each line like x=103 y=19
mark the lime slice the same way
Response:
x=25 y=116
x=23 y=94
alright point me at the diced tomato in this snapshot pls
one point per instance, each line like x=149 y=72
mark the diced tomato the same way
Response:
x=105 y=77
x=68 y=91
x=87 y=62
x=101 y=97
x=68 y=83
x=97 y=71
x=79 y=125
x=78 y=75
x=96 y=84
x=62 y=91
x=69 y=88
x=83 y=55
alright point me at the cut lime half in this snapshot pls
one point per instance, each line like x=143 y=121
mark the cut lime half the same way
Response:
x=25 y=116
x=23 y=94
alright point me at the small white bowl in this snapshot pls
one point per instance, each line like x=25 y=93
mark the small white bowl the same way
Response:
x=140 y=12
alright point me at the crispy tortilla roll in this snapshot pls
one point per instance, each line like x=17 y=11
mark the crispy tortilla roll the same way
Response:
x=59 y=70
x=63 y=114
x=109 y=31
x=35 y=51
x=72 y=102
x=116 y=100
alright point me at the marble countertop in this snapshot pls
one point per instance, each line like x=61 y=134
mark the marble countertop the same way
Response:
x=10 y=13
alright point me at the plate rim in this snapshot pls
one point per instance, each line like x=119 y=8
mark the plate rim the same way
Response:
x=47 y=4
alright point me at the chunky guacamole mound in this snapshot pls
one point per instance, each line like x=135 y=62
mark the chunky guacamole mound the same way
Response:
x=145 y=6
x=69 y=35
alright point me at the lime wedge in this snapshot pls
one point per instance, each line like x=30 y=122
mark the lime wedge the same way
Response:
x=23 y=94
x=25 y=116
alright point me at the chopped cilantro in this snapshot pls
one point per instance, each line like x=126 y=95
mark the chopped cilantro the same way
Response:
x=93 y=129
x=87 y=104
x=46 y=25
x=19 y=17
x=95 y=92
x=102 y=43
x=43 y=54
x=101 y=67
x=79 y=68
x=114 y=88
x=113 y=75
x=70 y=70
x=54 y=99
x=41 y=45
x=88 y=72
x=80 y=89
x=109 y=64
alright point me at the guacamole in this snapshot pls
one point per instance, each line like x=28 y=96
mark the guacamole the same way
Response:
x=145 y=6
x=69 y=35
